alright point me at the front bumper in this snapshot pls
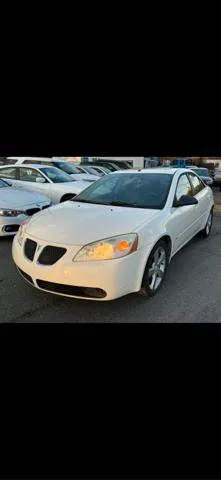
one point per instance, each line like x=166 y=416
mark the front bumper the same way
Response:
x=7 y=224
x=111 y=278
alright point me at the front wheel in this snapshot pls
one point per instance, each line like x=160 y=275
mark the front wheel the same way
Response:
x=155 y=269
x=206 y=231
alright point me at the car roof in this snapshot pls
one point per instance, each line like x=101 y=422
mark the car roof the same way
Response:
x=30 y=158
x=33 y=165
x=28 y=165
x=166 y=170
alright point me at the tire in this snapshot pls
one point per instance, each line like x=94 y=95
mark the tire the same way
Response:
x=67 y=197
x=205 y=233
x=152 y=283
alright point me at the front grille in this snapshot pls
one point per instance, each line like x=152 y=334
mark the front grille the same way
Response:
x=51 y=255
x=30 y=247
x=32 y=211
x=26 y=276
x=71 y=290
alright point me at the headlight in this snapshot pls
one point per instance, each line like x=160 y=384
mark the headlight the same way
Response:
x=109 y=248
x=21 y=231
x=10 y=213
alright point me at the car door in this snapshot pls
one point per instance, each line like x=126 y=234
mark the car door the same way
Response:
x=182 y=222
x=10 y=174
x=28 y=180
x=204 y=196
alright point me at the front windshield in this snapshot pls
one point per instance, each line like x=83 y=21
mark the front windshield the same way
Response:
x=67 y=168
x=3 y=184
x=137 y=190
x=56 y=175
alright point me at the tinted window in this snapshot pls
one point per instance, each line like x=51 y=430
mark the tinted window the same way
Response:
x=36 y=162
x=202 y=172
x=29 y=174
x=109 y=166
x=66 y=167
x=105 y=169
x=8 y=172
x=98 y=171
x=56 y=175
x=91 y=171
x=198 y=185
x=140 y=190
x=183 y=187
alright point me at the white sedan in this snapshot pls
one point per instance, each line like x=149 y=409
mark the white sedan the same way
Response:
x=16 y=206
x=116 y=237
x=51 y=181
x=53 y=162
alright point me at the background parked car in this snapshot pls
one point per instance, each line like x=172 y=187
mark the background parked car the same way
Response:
x=97 y=169
x=204 y=174
x=86 y=169
x=61 y=164
x=56 y=184
x=16 y=205
x=103 y=163
x=217 y=177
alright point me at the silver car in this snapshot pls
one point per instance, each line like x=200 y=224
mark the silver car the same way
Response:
x=16 y=205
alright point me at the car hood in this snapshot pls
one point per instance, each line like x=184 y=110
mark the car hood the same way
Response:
x=74 y=223
x=16 y=198
x=69 y=187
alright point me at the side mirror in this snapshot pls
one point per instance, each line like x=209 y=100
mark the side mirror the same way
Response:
x=186 y=200
x=40 y=180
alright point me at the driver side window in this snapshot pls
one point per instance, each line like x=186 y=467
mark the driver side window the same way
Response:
x=183 y=187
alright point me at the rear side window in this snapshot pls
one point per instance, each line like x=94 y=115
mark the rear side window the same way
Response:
x=8 y=172
x=198 y=185
x=183 y=187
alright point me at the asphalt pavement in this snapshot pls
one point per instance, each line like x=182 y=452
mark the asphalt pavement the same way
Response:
x=191 y=292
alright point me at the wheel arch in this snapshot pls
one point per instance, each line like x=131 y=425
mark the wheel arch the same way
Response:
x=168 y=241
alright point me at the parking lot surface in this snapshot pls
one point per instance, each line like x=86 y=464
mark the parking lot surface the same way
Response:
x=191 y=292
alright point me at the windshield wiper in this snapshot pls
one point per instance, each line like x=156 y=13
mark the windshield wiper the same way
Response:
x=88 y=201
x=124 y=204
